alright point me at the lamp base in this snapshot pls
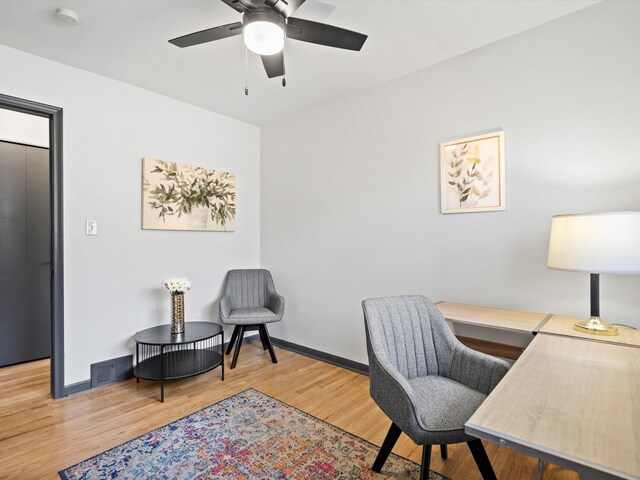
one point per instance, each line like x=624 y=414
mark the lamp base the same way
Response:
x=595 y=326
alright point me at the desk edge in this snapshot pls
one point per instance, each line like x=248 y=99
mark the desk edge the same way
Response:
x=594 y=340
x=481 y=325
x=579 y=465
x=533 y=331
x=541 y=325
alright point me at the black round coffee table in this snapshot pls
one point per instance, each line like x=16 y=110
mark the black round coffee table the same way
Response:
x=162 y=355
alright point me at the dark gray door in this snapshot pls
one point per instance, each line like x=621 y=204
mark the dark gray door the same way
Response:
x=25 y=233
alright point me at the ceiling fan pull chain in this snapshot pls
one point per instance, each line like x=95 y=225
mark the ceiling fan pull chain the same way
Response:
x=246 y=71
x=284 y=79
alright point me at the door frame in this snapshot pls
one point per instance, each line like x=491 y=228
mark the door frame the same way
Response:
x=54 y=114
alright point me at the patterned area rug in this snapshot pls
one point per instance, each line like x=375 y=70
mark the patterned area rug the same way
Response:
x=246 y=436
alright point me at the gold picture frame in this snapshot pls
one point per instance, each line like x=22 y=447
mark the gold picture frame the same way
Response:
x=472 y=174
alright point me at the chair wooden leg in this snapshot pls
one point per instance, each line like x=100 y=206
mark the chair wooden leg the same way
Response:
x=482 y=460
x=238 y=345
x=444 y=453
x=389 y=441
x=426 y=462
x=262 y=339
x=540 y=469
x=267 y=339
x=234 y=336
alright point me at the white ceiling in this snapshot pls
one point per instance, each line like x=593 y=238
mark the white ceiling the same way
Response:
x=127 y=40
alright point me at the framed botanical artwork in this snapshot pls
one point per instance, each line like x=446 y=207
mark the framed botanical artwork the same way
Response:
x=472 y=174
x=177 y=196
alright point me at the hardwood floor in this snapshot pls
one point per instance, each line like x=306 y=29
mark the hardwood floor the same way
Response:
x=40 y=436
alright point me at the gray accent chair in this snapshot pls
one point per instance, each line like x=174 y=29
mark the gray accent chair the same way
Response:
x=424 y=379
x=250 y=301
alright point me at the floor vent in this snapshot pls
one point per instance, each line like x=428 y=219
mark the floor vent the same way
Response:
x=111 y=371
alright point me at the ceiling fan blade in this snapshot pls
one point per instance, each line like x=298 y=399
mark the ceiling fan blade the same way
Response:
x=285 y=7
x=273 y=64
x=323 y=34
x=208 y=35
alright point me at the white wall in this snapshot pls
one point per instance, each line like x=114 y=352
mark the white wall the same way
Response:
x=22 y=128
x=350 y=190
x=112 y=281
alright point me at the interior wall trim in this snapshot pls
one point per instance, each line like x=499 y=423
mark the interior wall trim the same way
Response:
x=479 y=345
x=54 y=114
x=77 y=387
x=322 y=356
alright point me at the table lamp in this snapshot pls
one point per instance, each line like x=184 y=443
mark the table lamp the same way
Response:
x=607 y=242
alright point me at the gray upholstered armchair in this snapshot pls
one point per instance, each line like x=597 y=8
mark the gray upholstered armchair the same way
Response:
x=250 y=301
x=424 y=379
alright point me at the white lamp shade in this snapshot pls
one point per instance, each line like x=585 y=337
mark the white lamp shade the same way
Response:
x=263 y=37
x=607 y=242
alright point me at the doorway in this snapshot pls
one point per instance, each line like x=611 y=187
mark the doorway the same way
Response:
x=53 y=216
x=25 y=250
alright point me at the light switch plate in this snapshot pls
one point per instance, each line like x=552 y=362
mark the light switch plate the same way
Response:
x=91 y=227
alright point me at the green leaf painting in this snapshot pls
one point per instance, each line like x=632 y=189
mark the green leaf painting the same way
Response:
x=184 y=197
x=469 y=187
x=472 y=174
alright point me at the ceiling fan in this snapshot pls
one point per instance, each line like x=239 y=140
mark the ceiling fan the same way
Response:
x=265 y=25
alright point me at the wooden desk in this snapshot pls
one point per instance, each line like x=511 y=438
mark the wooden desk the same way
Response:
x=511 y=321
x=561 y=325
x=570 y=402
x=499 y=318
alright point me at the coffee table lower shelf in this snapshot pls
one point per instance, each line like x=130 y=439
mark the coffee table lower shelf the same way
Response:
x=162 y=356
x=179 y=364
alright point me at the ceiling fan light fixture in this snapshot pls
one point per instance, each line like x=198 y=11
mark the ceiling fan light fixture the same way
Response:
x=263 y=37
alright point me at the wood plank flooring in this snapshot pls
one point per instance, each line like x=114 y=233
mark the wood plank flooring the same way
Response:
x=40 y=436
